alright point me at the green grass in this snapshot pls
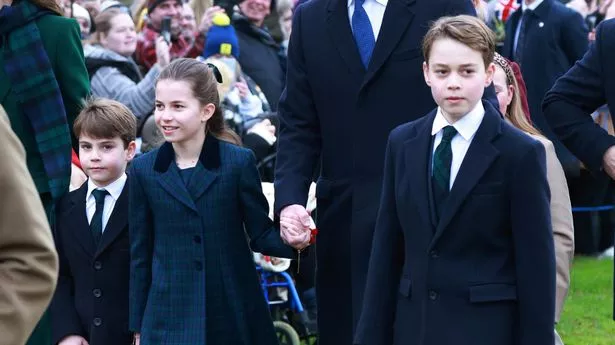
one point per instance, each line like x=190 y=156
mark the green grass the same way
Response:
x=587 y=317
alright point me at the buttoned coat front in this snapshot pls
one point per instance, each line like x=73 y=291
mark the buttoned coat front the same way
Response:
x=193 y=280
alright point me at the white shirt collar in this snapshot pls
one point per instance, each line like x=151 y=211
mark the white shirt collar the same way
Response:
x=466 y=126
x=114 y=188
x=532 y=7
x=381 y=2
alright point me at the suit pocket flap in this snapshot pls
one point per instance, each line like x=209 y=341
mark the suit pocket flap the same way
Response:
x=405 y=287
x=323 y=189
x=493 y=293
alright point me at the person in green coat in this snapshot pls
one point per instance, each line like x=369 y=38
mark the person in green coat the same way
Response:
x=43 y=82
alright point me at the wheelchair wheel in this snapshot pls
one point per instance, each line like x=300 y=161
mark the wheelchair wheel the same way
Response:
x=286 y=334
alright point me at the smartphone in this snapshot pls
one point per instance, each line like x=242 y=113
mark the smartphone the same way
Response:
x=165 y=29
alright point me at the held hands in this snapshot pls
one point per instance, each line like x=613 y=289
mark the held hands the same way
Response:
x=295 y=224
x=73 y=340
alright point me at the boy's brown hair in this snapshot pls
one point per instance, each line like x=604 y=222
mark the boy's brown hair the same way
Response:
x=105 y=119
x=465 y=29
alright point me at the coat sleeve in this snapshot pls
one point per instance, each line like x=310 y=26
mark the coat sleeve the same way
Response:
x=141 y=233
x=264 y=237
x=64 y=318
x=533 y=248
x=71 y=73
x=138 y=97
x=299 y=140
x=568 y=105
x=563 y=226
x=28 y=259
x=376 y=323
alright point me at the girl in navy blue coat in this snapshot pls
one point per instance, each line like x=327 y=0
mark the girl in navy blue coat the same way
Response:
x=192 y=202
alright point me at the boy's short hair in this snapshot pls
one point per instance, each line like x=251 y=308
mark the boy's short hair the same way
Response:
x=465 y=29
x=105 y=119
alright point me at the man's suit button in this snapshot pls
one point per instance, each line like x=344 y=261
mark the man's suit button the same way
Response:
x=97 y=293
x=433 y=295
x=198 y=265
x=97 y=321
x=434 y=254
x=197 y=239
x=97 y=265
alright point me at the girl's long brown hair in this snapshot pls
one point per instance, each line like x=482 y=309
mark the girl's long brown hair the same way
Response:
x=204 y=88
x=514 y=111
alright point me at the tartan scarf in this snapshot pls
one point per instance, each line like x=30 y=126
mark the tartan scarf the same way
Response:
x=34 y=84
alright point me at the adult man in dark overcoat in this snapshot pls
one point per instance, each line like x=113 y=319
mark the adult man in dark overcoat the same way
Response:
x=354 y=73
x=585 y=87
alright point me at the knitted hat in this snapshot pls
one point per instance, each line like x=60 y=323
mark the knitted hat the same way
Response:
x=80 y=12
x=152 y=4
x=221 y=38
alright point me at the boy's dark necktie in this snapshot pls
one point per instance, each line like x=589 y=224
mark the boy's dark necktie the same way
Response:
x=96 y=225
x=518 y=53
x=363 y=32
x=442 y=161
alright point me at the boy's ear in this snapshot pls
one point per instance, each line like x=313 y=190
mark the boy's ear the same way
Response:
x=426 y=73
x=490 y=72
x=131 y=150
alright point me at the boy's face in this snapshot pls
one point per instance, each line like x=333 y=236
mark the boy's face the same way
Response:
x=457 y=77
x=104 y=160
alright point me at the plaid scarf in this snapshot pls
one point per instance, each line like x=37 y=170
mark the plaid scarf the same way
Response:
x=33 y=82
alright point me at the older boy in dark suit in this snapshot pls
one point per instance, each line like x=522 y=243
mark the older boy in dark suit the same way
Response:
x=463 y=249
x=90 y=305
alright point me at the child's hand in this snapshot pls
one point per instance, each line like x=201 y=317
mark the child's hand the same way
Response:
x=295 y=226
x=73 y=340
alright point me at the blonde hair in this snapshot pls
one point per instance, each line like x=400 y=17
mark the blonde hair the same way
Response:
x=514 y=111
x=467 y=30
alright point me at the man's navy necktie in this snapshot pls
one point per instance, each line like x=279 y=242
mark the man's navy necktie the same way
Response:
x=363 y=32
x=96 y=223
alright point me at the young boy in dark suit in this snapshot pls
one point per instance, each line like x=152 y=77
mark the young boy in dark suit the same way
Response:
x=90 y=305
x=463 y=248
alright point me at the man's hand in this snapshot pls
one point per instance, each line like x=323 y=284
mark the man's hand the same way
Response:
x=137 y=339
x=73 y=340
x=163 y=52
x=295 y=226
x=608 y=162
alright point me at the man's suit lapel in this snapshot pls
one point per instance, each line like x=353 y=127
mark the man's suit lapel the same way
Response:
x=339 y=28
x=512 y=23
x=117 y=222
x=417 y=166
x=78 y=217
x=481 y=154
x=397 y=16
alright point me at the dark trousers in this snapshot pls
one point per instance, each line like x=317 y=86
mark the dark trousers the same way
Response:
x=594 y=230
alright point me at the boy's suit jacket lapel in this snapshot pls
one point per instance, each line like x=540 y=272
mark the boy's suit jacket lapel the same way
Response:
x=477 y=160
x=418 y=165
x=117 y=222
x=202 y=177
x=78 y=215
